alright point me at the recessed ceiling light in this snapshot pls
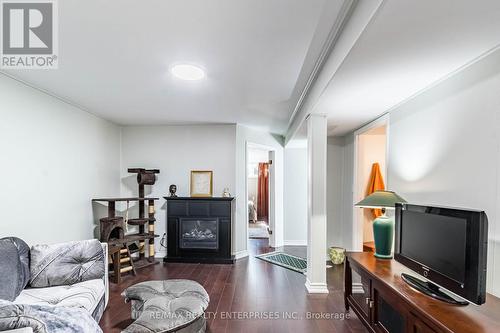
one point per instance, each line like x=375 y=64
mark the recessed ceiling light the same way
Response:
x=188 y=72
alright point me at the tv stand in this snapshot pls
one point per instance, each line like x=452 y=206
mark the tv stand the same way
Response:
x=383 y=301
x=431 y=289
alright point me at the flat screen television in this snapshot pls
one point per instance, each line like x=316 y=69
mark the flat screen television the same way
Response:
x=447 y=246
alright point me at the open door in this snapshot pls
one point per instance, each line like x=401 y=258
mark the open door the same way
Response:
x=370 y=174
x=260 y=193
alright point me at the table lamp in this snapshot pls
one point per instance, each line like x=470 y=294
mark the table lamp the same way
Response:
x=383 y=226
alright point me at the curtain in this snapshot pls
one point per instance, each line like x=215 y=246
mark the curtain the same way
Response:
x=263 y=192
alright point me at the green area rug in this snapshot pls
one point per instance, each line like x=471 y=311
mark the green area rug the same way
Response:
x=286 y=260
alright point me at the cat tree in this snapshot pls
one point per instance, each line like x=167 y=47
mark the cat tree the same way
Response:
x=123 y=245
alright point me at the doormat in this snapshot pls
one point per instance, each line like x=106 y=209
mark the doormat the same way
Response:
x=286 y=260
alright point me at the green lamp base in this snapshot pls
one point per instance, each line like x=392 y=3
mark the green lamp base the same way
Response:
x=382 y=256
x=383 y=234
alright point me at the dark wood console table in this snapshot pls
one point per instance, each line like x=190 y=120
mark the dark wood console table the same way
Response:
x=199 y=230
x=383 y=302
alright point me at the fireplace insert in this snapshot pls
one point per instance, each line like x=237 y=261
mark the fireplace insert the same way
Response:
x=199 y=230
x=199 y=233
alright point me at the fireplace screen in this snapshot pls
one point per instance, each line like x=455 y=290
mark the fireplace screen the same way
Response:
x=199 y=234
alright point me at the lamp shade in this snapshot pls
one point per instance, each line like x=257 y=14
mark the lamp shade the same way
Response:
x=381 y=199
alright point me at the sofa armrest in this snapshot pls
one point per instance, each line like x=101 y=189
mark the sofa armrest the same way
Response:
x=106 y=273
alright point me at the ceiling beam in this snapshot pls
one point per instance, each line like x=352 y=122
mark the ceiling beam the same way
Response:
x=348 y=27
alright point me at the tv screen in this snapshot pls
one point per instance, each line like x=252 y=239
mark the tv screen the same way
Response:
x=448 y=246
x=443 y=249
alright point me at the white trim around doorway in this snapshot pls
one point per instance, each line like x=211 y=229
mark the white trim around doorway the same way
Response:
x=357 y=226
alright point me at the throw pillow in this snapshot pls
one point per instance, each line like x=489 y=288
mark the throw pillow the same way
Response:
x=66 y=263
x=10 y=270
x=24 y=255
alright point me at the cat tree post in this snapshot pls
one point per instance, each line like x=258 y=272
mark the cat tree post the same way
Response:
x=145 y=177
x=151 y=215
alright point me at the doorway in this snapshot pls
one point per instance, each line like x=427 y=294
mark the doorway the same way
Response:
x=258 y=192
x=370 y=174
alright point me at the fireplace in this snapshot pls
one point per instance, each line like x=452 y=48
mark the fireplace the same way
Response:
x=199 y=230
x=199 y=233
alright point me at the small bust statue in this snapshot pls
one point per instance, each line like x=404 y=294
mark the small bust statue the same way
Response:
x=172 y=189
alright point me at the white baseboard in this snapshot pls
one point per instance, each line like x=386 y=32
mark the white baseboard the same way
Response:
x=277 y=245
x=161 y=254
x=316 y=288
x=240 y=254
x=295 y=243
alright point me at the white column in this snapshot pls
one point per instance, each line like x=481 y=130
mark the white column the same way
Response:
x=316 y=211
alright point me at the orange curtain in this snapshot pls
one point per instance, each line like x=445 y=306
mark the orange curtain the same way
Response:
x=376 y=183
x=263 y=192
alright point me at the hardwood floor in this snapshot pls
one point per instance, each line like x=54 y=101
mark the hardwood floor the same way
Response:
x=249 y=287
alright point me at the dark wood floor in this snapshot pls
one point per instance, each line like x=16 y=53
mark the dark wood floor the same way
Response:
x=250 y=285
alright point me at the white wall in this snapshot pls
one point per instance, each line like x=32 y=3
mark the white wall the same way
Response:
x=334 y=194
x=295 y=196
x=176 y=150
x=444 y=149
x=246 y=135
x=54 y=159
x=256 y=156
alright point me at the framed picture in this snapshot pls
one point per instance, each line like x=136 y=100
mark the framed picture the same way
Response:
x=201 y=183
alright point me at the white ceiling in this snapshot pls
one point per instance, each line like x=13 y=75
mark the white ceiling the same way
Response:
x=408 y=46
x=258 y=54
x=115 y=55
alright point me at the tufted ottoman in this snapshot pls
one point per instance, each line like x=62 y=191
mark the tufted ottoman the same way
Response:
x=167 y=306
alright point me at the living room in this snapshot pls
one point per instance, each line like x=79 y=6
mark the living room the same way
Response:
x=128 y=166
